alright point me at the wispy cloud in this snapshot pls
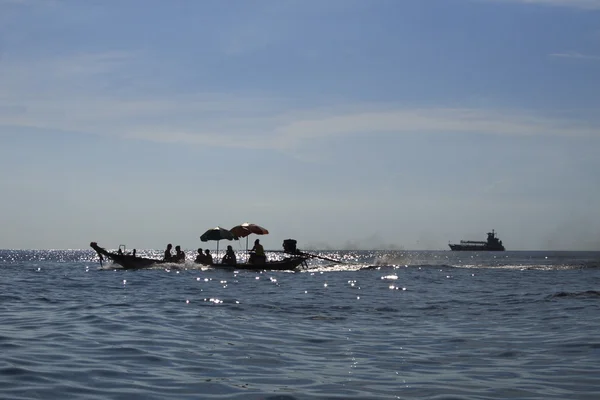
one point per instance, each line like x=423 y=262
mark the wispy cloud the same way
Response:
x=29 y=3
x=581 y=4
x=433 y=120
x=187 y=123
x=32 y=78
x=576 y=55
x=70 y=94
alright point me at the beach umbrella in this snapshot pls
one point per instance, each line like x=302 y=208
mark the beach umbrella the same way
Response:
x=217 y=234
x=246 y=229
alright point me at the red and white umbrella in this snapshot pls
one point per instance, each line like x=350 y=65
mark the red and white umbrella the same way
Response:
x=246 y=229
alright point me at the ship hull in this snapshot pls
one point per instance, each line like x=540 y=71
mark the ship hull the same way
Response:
x=462 y=247
x=467 y=247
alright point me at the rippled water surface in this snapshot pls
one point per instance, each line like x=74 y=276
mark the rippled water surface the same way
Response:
x=383 y=325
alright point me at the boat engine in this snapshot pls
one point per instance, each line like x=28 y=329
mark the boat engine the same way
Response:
x=289 y=246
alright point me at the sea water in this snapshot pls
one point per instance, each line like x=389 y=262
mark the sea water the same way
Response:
x=383 y=325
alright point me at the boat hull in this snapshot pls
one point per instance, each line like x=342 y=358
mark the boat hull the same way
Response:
x=126 y=261
x=462 y=247
x=287 y=264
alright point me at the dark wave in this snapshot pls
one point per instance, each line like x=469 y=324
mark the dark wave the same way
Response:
x=583 y=294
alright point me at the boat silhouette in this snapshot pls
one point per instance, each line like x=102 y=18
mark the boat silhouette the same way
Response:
x=492 y=244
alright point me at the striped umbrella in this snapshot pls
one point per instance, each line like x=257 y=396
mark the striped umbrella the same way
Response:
x=246 y=229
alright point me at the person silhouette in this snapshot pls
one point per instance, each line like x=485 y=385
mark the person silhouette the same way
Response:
x=257 y=254
x=229 y=257
x=179 y=255
x=200 y=257
x=168 y=257
x=208 y=257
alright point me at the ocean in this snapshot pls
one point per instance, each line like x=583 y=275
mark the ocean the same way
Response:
x=383 y=325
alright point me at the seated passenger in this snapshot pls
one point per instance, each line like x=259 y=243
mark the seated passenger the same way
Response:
x=257 y=254
x=229 y=257
x=208 y=260
x=168 y=257
x=179 y=255
x=200 y=257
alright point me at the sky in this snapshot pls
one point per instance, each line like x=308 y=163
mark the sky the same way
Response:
x=343 y=124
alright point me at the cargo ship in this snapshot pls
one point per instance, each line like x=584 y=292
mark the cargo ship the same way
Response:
x=492 y=244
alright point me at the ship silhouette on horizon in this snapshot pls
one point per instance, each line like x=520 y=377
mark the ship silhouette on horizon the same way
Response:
x=492 y=244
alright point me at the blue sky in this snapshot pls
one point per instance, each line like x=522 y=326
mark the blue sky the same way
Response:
x=344 y=124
